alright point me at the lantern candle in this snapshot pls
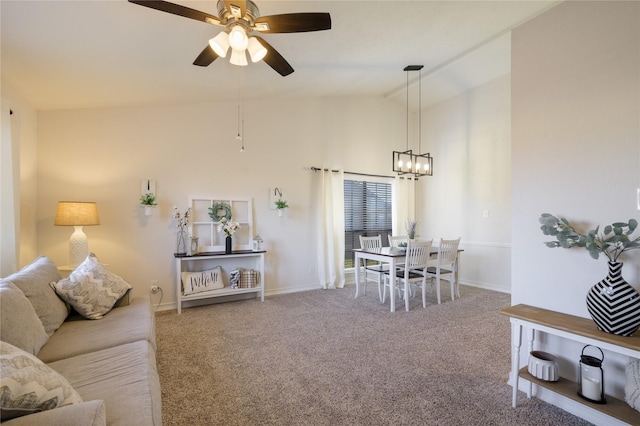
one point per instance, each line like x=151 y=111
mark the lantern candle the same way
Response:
x=591 y=388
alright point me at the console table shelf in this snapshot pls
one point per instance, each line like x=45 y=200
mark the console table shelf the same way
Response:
x=202 y=261
x=574 y=328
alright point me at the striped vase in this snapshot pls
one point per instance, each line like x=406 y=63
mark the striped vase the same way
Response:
x=614 y=304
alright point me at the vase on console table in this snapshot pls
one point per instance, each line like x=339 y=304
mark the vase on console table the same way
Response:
x=227 y=245
x=614 y=304
x=181 y=241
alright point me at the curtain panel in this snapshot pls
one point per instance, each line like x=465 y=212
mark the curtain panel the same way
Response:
x=404 y=205
x=329 y=200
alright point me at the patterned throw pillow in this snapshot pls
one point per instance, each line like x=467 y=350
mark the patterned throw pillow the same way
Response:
x=91 y=289
x=632 y=387
x=27 y=385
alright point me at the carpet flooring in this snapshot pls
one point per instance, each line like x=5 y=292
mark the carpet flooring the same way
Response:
x=323 y=357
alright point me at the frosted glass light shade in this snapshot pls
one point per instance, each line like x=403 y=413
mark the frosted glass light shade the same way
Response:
x=220 y=44
x=238 y=57
x=238 y=39
x=256 y=50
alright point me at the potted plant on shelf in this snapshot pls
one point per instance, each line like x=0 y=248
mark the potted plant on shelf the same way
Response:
x=612 y=295
x=148 y=201
x=281 y=205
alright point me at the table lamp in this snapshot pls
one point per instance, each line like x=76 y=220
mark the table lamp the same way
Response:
x=77 y=214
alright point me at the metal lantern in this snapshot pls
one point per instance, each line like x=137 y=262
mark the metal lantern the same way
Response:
x=591 y=377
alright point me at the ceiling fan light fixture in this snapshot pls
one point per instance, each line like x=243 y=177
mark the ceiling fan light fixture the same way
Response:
x=220 y=44
x=238 y=57
x=256 y=50
x=238 y=39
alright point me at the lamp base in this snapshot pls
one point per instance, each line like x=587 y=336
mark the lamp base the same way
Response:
x=78 y=246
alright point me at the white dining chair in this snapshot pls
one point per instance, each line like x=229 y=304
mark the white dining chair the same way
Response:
x=372 y=271
x=414 y=270
x=396 y=240
x=444 y=267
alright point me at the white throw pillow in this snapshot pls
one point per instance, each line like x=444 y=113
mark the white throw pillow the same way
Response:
x=27 y=385
x=91 y=289
x=196 y=282
x=632 y=388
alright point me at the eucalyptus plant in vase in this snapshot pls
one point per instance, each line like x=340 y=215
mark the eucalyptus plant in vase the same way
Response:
x=613 y=303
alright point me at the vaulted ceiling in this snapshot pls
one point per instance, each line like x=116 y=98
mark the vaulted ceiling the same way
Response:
x=92 y=53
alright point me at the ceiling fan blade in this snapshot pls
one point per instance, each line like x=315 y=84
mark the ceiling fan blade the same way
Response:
x=205 y=57
x=293 y=23
x=275 y=59
x=237 y=7
x=176 y=9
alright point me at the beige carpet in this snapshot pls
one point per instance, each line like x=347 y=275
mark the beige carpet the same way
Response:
x=323 y=357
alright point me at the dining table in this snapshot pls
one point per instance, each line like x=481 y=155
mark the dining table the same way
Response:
x=392 y=256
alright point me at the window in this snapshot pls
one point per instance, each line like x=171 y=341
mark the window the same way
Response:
x=367 y=212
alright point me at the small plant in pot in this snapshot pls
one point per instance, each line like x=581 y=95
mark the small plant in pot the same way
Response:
x=281 y=205
x=148 y=201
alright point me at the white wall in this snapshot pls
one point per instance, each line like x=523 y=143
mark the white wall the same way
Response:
x=469 y=137
x=103 y=154
x=575 y=146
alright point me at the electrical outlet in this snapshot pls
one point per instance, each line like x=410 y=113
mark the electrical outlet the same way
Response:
x=154 y=286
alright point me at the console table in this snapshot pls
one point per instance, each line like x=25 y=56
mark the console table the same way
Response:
x=246 y=259
x=575 y=328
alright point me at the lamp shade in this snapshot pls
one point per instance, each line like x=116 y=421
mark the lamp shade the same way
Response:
x=220 y=44
x=238 y=57
x=256 y=50
x=77 y=213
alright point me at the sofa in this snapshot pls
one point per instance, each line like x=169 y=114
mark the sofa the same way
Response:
x=77 y=350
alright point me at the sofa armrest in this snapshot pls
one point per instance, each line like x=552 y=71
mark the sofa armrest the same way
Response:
x=89 y=413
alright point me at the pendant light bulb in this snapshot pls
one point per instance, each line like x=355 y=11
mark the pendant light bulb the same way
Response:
x=238 y=39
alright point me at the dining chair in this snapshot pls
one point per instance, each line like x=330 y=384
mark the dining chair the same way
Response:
x=395 y=240
x=414 y=270
x=444 y=267
x=375 y=269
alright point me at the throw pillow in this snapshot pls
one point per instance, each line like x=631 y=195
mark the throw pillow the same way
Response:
x=196 y=282
x=632 y=388
x=19 y=323
x=91 y=289
x=27 y=385
x=34 y=280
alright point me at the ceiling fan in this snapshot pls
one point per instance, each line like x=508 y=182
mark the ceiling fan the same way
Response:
x=241 y=18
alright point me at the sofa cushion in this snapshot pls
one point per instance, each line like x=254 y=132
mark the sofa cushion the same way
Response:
x=28 y=386
x=89 y=413
x=91 y=289
x=19 y=323
x=125 y=324
x=124 y=376
x=34 y=281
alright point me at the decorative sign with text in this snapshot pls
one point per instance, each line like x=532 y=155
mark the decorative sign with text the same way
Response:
x=197 y=282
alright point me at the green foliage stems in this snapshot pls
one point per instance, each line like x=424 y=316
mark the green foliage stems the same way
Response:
x=612 y=242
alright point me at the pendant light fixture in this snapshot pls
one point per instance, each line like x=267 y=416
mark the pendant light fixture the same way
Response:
x=406 y=162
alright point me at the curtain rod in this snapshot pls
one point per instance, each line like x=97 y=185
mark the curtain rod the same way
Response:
x=317 y=169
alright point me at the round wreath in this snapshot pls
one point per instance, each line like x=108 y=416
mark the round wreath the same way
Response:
x=214 y=212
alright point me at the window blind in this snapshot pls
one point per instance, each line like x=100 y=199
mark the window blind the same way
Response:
x=367 y=212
